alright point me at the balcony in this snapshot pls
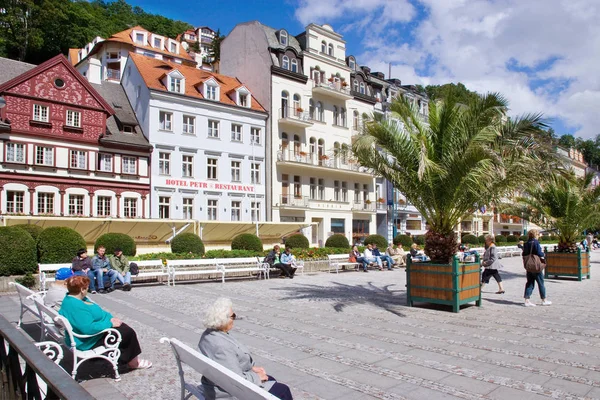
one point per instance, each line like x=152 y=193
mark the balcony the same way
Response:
x=294 y=117
x=509 y=219
x=299 y=157
x=113 y=75
x=332 y=205
x=333 y=90
x=359 y=206
x=289 y=200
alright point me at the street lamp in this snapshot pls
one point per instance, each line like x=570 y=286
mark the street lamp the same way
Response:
x=255 y=215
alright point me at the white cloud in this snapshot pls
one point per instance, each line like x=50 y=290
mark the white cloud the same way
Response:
x=543 y=56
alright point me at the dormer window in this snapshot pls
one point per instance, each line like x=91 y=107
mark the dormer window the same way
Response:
x=244 y=98
x=283 y=37
x=175 y=82
x=211 y=90
x=362 y=88
x=352 y=64
x=175 y=85
x=285 y=62
x=173 y=46
x=157 y=42
x=294 y=65
x=140 y=38
x=127 y=129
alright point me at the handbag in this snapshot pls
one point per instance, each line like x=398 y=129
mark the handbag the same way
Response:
x=533 y=263
x=352 y=259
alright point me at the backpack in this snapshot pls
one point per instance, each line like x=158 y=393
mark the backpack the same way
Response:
x=63 y=274
x=134 y=269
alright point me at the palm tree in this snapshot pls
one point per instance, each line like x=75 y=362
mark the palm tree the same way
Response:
x=568 y=206
x=465 y=157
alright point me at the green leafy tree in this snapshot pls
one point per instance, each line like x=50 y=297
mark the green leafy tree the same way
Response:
x=468 y=155
x=567 y=141
x=215 y=47
x=458 y=91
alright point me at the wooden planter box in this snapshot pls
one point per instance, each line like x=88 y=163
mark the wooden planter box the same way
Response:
x=568 y=265
x=451 y=284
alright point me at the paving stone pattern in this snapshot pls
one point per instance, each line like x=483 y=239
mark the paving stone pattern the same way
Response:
x=351 y=336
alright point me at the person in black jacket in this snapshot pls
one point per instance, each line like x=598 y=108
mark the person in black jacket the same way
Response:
x=82 y=263
x=533 y=247
x=273 y=260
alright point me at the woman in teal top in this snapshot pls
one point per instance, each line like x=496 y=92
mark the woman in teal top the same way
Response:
x=88 y=318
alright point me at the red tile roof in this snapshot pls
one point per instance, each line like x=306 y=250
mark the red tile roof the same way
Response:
x=153 y=70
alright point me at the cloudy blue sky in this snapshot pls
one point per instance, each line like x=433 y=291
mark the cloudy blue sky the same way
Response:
x=543 y=55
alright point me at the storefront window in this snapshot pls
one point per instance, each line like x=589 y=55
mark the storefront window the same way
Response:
x=338 y=225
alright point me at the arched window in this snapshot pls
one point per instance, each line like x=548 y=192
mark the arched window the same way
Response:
x=355 y=120
x=355 y=85
x=296 y=104
x=294 y=65
x=283 y=37
x=330 y=49
x=343 y=117
x=284 y=141
x=352 y=63
x=319 y=111
x=284 y=104
x=362 y=88
x=313 y=145
x=336 y=115
x=311 y=109
x=285 y=62
x=323 y=47
x=296 y=144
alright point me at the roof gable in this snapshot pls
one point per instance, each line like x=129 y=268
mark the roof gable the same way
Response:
x=41 y=83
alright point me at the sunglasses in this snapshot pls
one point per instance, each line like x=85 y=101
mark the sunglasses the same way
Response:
x=233 y=316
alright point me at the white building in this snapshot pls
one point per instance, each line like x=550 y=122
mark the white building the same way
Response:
x=307 y=86
x=198 y=43
x=208 y=134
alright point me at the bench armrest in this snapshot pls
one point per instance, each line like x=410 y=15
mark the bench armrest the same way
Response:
x=112 y=339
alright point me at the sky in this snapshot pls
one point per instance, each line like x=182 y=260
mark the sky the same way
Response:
x=542 y=55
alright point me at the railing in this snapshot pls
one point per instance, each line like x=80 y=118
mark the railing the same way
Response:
x=113 y=74
x=360 y=206
x=295 y=114
x=291 y=200
x=335 y=86
x=300 y=156
x=17 y=384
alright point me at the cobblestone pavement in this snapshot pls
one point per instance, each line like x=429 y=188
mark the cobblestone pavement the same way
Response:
x=350 y=336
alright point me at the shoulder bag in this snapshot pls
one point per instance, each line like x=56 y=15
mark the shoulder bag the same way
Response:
x=532 y=262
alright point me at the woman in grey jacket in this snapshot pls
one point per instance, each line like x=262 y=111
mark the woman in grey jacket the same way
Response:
x=491 y=263
x=219 y=345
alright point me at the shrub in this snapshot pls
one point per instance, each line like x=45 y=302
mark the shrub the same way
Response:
x=111 y=241
x=405 y=240
x=379 y=240
x=187 y=243
x=512 y=239
x=470 y=239
x=59 y=245
x=246 y=241
x=338 y=240
x=233 y=253
x=419 y=239
x=28 y=280
x=481 y=239
x=523 y=238
x=500 y=239
x=19 y=253
x=297 y=241
x=33 y=230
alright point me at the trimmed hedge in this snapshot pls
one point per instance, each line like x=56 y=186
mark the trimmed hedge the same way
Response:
x=297 y=241
x=379 y=240
x=338 y=240
x=246 y=241
x=500 y=239
x=512 y=239
x=314 y=253
x=59 y=244
x=470 y=239
x=523 y=238
x=33 y=230
x=19 y=252
x=405 y=240
x=187 y=243
x=481 y=239
x=111 y=241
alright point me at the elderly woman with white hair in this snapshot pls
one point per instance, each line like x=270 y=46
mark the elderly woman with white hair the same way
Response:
x=218 y=344
x=491 y=263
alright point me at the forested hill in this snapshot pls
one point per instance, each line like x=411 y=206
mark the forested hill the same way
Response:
x=37 y=30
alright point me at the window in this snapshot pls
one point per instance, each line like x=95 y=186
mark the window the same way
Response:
x=211 y=168
x=175 y=84
x=244 y=100
x=362 y=88
x=173 y=47
x=336 y=115
x=235 y=171
x=330 y=49
x=320 y=116
x=40 y=113
x=164 y=207
x=255 y=173
x=213 y=129
x=255 y=211
x=313 y=188
x=345 y=192
x=283 y=38
x=188 y=208
x=45 y=203
x=187 y=166
x=338 y=225
x=352 y=64
x=236 y=210
x=212 y=209
x=321 y=189
x=128 y=129
x=164 y=163
x=74 y=119
x=104 y=203
x=211 y=92
x=365 y=193
x=254 y=135
x=355 y=121
x=76 y=204
x=139 y=38
x=78 y=159
x=343 y=117
x=166 y=121
x=311 y=109
x=44 y=155
x=14 y=202
x=15 y=152
x=189 y=123
x=294 y=65
x=323 y=47
x=355 y=85
x=336 y=190
x=236 y=133
x=297 y=187
x=130 y=207
x=285 y=62
x=158 y=43
x=129 y=165
x=357 y=193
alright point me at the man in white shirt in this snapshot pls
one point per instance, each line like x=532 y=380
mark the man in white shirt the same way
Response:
x=369 y=257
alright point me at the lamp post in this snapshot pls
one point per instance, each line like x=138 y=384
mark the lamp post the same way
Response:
x=255 y=215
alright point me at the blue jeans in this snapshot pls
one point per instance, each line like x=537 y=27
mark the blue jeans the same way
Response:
x=94 y=274
x=119 y=277
x=389 y=260
x=530 y=285
x=376 y=259
x=363 y=261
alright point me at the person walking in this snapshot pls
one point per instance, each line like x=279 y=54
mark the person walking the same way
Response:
x=491 y=263
x=533 y=247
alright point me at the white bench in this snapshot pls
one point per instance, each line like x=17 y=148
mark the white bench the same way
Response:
x=227 y=380
x=243 y=264
x=47 y=268
x=338 y=261
x=26 y=298
x=214 y=266
x=56 y=327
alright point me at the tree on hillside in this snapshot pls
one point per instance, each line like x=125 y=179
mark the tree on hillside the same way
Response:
x=215 y=47
x=458 y=91
x=567 y=141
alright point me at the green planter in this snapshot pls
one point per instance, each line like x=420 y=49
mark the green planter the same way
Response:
x=452 y=284
x=572 y=265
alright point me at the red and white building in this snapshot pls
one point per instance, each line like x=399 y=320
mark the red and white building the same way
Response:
x=67 y=147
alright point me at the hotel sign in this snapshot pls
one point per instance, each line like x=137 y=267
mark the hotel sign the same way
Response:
x=179 y=183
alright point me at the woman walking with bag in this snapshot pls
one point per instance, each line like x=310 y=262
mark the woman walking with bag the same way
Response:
x=491 y=263
x=533 y=248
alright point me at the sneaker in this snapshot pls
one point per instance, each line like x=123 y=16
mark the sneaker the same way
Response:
x=101 y=291
x=108 y=290
x=546 y=302
x=94 y=292
x=529 y=304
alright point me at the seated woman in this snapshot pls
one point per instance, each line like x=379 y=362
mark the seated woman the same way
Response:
x=219 y=345
x=87 y=318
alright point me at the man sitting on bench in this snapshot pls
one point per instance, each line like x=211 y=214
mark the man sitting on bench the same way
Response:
x=274 y=261
x=82 y=263
x=383 y=257
x=101 y=266
x=120 y=264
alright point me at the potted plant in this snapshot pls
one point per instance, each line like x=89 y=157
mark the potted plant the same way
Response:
x=303 y=154
x=367 y=201
x=344 y=83
x=323 y=157
x=330 y=79
x=567 y=206
x=381 y=200
x=430 y=171
x=299 y=109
